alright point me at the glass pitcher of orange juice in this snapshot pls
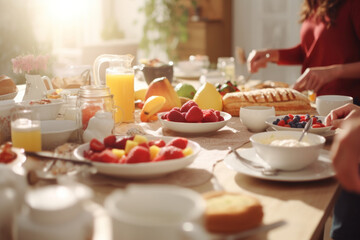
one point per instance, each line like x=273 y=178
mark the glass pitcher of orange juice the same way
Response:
x=120 y=79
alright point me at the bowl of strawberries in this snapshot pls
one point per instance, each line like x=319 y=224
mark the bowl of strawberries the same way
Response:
x=139 y=156
x=191 y=119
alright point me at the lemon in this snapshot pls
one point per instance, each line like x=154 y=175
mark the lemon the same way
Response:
x=207 y=97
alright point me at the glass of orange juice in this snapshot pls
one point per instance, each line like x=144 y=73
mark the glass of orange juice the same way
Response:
x=122 y=87
x=25 y=130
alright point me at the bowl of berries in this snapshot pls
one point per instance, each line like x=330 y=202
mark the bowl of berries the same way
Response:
x=292 y=122
x=139 y=156
x=191 y=119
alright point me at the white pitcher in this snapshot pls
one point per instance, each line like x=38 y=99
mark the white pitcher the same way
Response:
x=35 y=87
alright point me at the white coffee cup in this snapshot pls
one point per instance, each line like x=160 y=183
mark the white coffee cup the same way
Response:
x=156 y=212
x=326 y=103
x=253 y=117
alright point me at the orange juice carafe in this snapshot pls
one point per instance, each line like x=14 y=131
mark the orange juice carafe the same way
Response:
x=120 y=79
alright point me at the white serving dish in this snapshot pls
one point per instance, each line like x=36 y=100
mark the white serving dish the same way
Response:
x=185 y=127
x=47 y=111
x=142 y=170
x=56 y=132
x=287 y=158
x=321 y=130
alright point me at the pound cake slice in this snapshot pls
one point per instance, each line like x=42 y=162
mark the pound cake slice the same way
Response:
x=284 y=100
x=228 y=212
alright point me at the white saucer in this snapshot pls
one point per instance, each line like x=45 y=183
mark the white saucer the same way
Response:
x=320 y=169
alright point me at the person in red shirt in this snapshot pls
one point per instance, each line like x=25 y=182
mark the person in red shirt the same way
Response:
x=329 y=51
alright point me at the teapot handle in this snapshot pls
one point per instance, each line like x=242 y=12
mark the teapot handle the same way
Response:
x=97 y=64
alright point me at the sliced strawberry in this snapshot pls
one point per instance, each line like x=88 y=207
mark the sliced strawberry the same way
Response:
x=169 y=152
x=176 y=109
x=194 y=114
x=209 y=116
x=96 y=145
x=144 y=144
x=165 y=116
x=109 y=141
x=179 y=142
x=176 y=116
x=186 y=107
x=138 y=154
x=121 y=143
x=160 y=143
x=108 y=156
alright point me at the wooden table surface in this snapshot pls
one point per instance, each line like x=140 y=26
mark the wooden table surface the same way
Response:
x=305 y=206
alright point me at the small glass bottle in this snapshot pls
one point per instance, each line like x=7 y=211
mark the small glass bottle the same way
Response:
x=92 y=99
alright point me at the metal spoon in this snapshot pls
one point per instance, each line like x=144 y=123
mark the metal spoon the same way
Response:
x=266 y=171
x=306 y=129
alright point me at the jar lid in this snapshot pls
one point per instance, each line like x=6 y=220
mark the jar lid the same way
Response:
x=94 y=91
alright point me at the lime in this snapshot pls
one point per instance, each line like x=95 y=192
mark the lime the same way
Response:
x=185 y=90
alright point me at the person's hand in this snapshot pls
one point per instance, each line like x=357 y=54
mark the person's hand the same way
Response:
x=345 y=153
x=314 y=78
x=338 y=115
x=258 y=59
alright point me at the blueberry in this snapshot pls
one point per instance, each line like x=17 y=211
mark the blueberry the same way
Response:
x=319 y=121
x=275 y=122
x=286 y=118
x=299 y=125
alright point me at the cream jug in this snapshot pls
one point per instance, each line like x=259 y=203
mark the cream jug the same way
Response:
x=35 y=87
x=120 y=79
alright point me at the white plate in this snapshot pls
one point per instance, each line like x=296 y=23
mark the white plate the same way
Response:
x=322 y=130
x=184 y=127
x=320 y=169
x=142 y=170
x=9 y=95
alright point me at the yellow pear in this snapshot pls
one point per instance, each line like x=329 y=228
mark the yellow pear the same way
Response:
x=207 y=97
x=162 y=87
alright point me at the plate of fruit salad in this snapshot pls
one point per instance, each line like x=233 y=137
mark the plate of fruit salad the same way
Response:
x=191 y=119
x=292 y=122
x=139 y=156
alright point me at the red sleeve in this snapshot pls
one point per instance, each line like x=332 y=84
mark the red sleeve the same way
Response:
x=291 y=56
x=355 y=16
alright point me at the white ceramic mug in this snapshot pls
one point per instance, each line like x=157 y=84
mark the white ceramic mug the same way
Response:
x=156 y=212
x=326 y=103
x=253 y=117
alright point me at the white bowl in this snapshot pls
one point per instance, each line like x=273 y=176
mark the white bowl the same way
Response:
x=5 y=119
x=287 y=158
x=326 y=103
x=56 y=132
x=185 y=127
x=47 y=111
x=190 y=67
x=142 y=170
x=254 y=117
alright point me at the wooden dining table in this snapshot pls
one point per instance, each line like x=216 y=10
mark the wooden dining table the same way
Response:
x=304 y=206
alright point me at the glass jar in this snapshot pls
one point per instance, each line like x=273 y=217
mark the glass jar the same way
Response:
x=91 y=100
x=227 y=67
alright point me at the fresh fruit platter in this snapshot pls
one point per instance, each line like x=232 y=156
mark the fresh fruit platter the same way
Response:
x=138 y=157
x=136 y=149
x=292 y=122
